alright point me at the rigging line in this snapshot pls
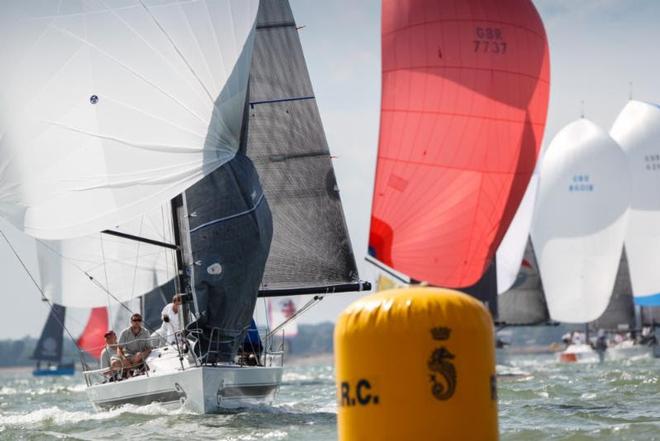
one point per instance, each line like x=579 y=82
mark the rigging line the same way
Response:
x=314 y=301
x=381 y=266
x=89 y=276
x=100 y=285
x=43 y=295
x=178 y=51
x=137 y=259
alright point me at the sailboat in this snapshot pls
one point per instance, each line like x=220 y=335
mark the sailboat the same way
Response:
x=92 y=338
x=464 y=104
x=579 y=225
x=208 y=106
x=50 y=344
x=637 y=130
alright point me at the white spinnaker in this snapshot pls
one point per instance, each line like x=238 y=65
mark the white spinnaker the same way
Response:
x=637 y=130
x=109 y=108
x=512 y=248
x=580 y=220
x=100 y=269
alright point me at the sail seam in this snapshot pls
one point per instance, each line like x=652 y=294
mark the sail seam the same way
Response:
x=466 y=20
x=450 y=167
x=464 y=115
x=233 y=216
x=482 y=69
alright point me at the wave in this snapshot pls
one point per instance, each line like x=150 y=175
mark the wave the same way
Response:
x=60 y=417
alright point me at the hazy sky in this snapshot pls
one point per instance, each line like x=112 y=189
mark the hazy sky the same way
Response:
x=597 y=48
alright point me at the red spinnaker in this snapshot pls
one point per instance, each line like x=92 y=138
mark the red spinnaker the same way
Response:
x=464 y=102
x=92 y=340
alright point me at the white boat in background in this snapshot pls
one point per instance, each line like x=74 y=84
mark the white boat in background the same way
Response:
x=580 y=221
x=578 y=353
x=637 y=130
x=628 y=350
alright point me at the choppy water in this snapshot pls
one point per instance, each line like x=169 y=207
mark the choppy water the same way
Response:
x=539 y=400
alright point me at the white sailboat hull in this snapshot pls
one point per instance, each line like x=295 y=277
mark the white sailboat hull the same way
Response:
x=204 y=389
x=628 y=351
x=578 y=353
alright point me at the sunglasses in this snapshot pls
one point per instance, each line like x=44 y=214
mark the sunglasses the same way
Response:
x=136 y=320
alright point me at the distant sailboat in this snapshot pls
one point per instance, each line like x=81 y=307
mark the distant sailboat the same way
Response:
x=464 y=101
x=92 y=338
x=50 y=345
x=580 y=221
x=637 y=130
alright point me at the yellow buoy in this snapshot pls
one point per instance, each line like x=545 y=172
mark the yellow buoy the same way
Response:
x=416 y=364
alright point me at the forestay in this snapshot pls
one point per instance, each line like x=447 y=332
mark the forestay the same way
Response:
x=464 y=101
x=108 y=109
x=580 y=220
x=637 y=130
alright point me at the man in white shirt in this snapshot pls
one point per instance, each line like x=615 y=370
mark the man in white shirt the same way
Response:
x=171 y=319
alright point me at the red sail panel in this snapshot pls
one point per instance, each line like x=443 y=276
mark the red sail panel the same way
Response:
x=464 y=101
x=92 y=340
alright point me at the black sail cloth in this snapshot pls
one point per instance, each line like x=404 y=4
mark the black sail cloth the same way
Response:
x=230 y=227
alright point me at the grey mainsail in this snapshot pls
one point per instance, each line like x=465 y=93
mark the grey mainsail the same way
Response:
x=49 y=346
x=524 y=303
x=311 y=248
x=620 y=312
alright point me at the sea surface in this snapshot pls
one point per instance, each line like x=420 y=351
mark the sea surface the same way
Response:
x=538 y=400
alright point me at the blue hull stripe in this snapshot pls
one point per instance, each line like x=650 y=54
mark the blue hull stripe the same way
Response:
x=652 y=300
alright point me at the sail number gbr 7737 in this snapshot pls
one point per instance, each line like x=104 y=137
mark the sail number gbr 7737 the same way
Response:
x=489 y=40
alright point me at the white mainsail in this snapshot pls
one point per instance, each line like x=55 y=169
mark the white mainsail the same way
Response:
x=637 y=130
x=510 y=253
x=580 y=220
x=108 y=109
